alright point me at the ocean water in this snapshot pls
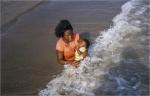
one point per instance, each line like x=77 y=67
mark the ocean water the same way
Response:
x=118 y=61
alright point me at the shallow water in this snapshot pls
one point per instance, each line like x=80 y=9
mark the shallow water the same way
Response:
x=118 y=62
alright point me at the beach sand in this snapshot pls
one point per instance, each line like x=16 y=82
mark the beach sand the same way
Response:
x=28 y=45
x=13 y=9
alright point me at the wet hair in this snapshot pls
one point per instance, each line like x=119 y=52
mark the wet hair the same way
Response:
x=61 y=27
x=87 y=42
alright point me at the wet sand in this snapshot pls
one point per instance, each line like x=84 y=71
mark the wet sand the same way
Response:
x=14 y=9
x=28 y=45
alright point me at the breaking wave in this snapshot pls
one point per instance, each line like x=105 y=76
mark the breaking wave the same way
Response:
x=118 y=60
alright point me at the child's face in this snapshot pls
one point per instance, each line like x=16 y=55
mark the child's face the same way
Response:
x=80 y=42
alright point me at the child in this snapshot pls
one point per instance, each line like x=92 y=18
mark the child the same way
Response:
x=81 y=50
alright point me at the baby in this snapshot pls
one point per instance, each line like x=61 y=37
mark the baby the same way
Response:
x=81 y=50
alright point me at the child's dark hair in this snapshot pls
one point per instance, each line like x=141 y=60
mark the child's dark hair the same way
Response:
x=62 y=26
x=87 y=42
